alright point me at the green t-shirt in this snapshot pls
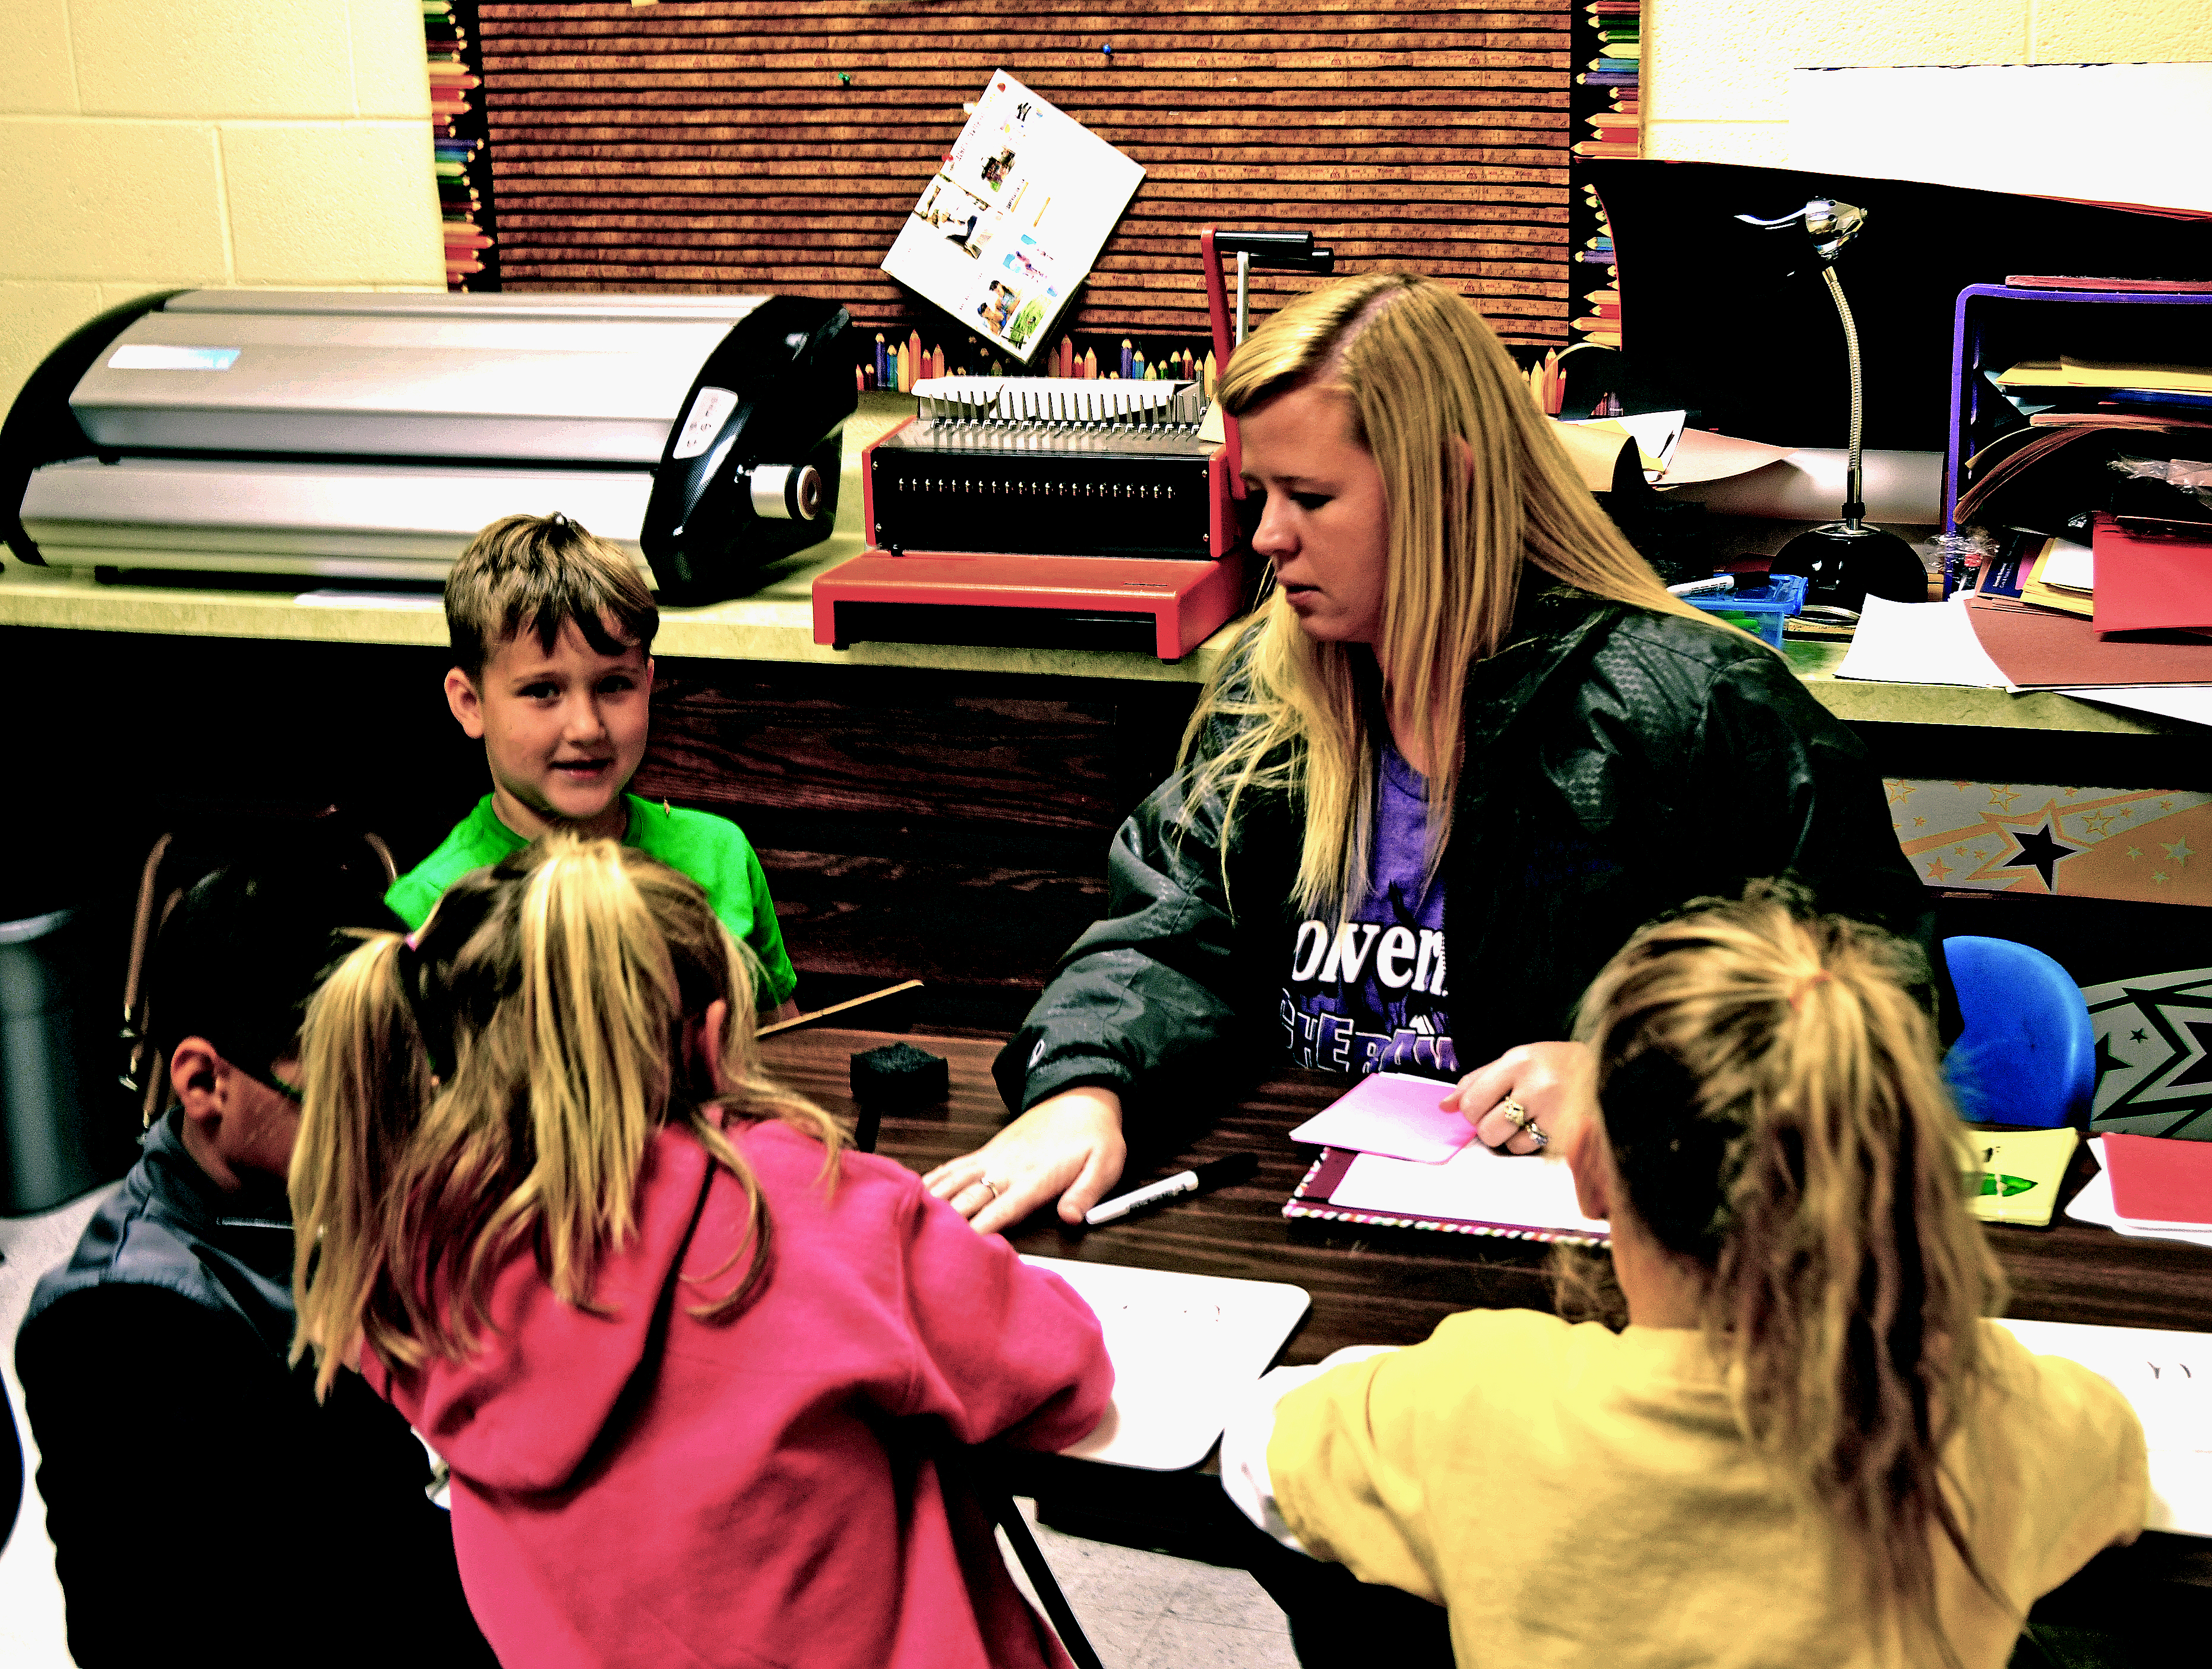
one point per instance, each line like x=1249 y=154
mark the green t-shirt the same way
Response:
x=713 y=851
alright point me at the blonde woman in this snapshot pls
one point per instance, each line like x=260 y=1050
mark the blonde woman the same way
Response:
x=688 y=1360
x=1807 y=1445
x=1465 y=747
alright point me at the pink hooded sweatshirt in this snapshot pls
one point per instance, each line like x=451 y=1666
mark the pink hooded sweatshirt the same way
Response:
x=759 y=1491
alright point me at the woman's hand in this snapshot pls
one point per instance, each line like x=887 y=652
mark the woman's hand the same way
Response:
x=1538 y=1075
x=1068 y=1144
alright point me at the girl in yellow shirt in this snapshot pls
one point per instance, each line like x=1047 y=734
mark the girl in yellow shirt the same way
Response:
x=1808 y=1447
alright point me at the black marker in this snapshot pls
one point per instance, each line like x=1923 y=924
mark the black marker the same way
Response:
x=1236 y=1167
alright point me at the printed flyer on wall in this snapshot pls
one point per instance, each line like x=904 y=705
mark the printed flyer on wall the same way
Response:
x=1013 y=218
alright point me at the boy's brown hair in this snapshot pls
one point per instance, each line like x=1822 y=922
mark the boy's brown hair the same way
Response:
x=536 y=573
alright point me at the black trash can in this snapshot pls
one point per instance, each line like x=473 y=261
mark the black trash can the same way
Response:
x=62 y=1128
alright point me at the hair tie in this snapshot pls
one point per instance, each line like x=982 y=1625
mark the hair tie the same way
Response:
x=414 y=940
x=1807 y=984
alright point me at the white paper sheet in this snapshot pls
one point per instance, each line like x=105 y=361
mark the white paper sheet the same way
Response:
x=2192 y=702
x=2071 y=564
x=1010 y=222
x=1919 y=643
x=1184 y=1348
x=2167 y=1378
x=1478 y=1185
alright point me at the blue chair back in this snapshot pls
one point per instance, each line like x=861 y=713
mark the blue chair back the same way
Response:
x=2028 y=1055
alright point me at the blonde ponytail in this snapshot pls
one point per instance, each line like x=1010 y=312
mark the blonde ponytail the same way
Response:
x=367 y=1077
x=1772 y=1095
x=499 y=1085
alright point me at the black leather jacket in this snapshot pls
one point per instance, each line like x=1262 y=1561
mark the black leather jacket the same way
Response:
x=1618 y=763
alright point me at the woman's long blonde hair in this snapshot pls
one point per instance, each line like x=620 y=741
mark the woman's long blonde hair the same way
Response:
x=1422 y=373
x=494 y=1082
x=1771 y=1096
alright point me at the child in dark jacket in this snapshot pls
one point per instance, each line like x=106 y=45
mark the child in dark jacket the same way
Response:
x=688 y=1361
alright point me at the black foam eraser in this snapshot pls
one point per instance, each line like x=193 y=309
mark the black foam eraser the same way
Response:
x=900 y=1073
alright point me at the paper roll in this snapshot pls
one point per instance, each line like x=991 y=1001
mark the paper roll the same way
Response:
x=1901 y=487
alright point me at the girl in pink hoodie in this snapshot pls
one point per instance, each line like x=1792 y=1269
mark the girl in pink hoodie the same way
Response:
x=688 y=1361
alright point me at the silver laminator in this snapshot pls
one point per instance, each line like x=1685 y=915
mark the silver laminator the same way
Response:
x=363 y=436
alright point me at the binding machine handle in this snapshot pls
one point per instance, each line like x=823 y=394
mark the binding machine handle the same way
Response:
x=1288 y=252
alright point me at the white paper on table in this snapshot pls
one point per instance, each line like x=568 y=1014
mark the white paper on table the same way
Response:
x=1184 y=1348
x=2167 y=1378
x=2070 y=565
x=2192 y=702
x=1477 y=1184
x=1919 y=643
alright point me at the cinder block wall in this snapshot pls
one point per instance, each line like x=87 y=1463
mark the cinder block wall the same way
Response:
x=163 y=144
x=1716 y=72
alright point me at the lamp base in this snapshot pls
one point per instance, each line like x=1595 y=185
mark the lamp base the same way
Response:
x=1845 y=562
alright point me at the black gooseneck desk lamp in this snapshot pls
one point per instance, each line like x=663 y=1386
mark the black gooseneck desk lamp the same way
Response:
x=1844 y=562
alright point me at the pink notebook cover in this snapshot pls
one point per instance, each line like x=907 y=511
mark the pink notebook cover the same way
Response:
x=1311 y=1199
x=2161 y=1180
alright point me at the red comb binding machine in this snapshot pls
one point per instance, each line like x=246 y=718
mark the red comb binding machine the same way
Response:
x=1055 y=512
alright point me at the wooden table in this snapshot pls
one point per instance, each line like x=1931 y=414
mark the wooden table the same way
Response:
x=1380 y=1286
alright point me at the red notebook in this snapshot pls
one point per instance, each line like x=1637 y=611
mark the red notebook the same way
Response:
x=2148 y=585
x=2161 y=1181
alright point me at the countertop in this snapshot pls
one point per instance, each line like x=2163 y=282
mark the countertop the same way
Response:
x=775 y=623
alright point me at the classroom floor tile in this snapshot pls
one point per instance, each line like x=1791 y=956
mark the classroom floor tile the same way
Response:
x=1147 y=1611
x=31 y=1632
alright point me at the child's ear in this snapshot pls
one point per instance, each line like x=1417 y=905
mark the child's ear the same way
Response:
x=462 y=697
x=195 y=1074
x=713 y=1029
x=1589 y=1160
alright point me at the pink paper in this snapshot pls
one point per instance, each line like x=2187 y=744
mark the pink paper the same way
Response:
x=1390 y=1114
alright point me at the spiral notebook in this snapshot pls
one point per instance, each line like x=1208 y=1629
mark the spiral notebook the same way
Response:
x=1476 y=1192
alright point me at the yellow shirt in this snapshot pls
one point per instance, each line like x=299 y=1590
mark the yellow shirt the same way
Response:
x=1579 y=1497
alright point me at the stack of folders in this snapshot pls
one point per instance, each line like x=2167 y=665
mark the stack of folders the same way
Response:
x=2098 y=504
x=1392 y=1156
x=2155 y=1188
x=2114 y=452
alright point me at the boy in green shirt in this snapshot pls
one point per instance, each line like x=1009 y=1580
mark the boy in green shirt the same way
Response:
x=552 y=633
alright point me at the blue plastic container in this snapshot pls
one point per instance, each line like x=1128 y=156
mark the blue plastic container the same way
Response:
x=1759 y=603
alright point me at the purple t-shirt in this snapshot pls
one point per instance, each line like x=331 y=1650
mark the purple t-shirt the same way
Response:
x=1370 y=995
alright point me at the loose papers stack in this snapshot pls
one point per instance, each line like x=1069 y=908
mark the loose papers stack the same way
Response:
x=2026 y=649
x=1392 y=1157
x=2163 y=1175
